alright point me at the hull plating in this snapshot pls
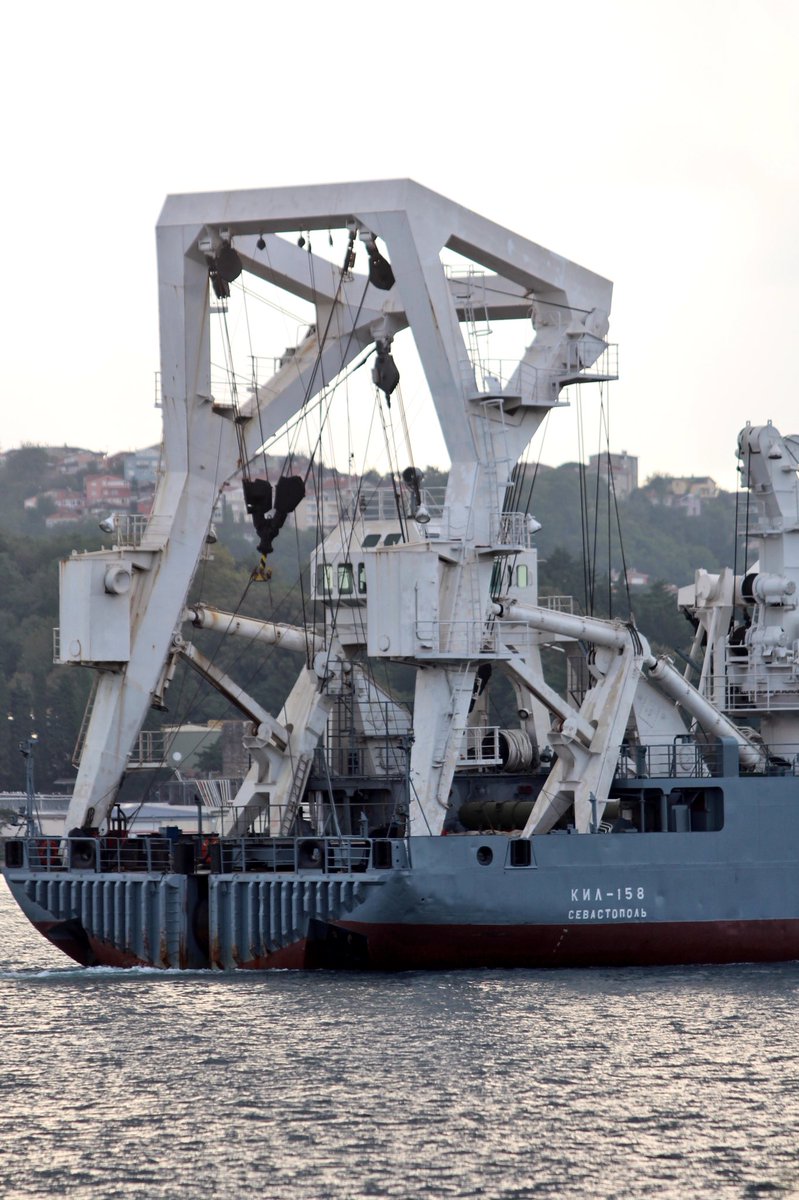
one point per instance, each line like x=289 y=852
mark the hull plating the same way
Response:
x=452 y=947
x=449 y=902
x=358 y=946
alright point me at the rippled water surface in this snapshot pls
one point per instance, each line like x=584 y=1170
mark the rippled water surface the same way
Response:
x=628 y=1083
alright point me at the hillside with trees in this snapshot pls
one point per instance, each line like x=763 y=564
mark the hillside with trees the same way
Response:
x=38 y=697
x=664 y=543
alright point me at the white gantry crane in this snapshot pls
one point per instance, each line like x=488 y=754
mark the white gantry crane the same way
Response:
x=430 y=595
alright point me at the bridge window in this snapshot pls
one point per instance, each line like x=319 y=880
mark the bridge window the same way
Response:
x=392 y=539
x=522 y=575
x=362 y=579
x=324 y=579
x=370 y=540
x=345 y=582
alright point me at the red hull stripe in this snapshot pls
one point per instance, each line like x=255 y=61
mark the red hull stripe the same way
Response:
x=448 y=947
x=439 y=947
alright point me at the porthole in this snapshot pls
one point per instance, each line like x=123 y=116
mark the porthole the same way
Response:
x=485 y=855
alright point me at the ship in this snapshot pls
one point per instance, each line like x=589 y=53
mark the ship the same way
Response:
x=644 y=813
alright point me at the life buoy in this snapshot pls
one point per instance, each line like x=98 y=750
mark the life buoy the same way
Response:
x=48 y=852
x=207 y=852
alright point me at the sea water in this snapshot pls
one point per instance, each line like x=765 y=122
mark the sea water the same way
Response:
x=592 y=1083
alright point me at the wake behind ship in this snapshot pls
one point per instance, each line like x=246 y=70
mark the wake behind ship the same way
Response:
x=640 y=814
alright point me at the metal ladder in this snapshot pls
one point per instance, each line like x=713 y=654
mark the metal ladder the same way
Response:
x=475 y=283
x=77 y=753
x=301 y=772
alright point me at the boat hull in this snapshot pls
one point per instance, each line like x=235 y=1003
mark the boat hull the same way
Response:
x=398 y=947
x=452 y=947
x=730 y=895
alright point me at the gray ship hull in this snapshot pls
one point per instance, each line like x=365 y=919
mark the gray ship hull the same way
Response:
x=724 y=895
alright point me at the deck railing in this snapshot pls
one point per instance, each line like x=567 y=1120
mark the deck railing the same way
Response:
x=684 y=757
x=187 y=855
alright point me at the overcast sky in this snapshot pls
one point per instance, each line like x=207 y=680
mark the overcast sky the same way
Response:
x=654 y=142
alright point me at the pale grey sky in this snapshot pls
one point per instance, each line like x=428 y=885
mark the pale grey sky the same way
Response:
x=654 y=142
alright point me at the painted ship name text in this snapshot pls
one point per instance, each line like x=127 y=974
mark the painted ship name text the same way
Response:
x=616 y=904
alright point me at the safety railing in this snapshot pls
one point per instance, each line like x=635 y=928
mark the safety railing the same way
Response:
x=329 y=855
x=512 y=529
x=462 y=639
x=480 y=747
x=118 y=854
x=586 y=359
x=590 y=358
x=136 y=531
x=687 y=758
x=564 y=604
x=679 y=758
x=778 y=759
x=749 y=684
x=150 y=747
x=115 y=853
x=475 y=639
x=380 y=503
x=507 y=378
x=99 y=854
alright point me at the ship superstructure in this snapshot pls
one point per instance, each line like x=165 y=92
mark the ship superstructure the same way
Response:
x=647 y=818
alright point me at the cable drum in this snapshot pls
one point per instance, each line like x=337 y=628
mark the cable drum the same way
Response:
x=498 y=816
x=516 y=750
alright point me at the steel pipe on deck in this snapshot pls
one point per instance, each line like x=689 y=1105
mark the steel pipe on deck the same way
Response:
x=290 y=636
x=662 y=673
x=588 y=629
x=666 y=676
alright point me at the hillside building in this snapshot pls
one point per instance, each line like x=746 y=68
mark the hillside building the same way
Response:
x=685 y=492
x=107 y=491
x=621 y=468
